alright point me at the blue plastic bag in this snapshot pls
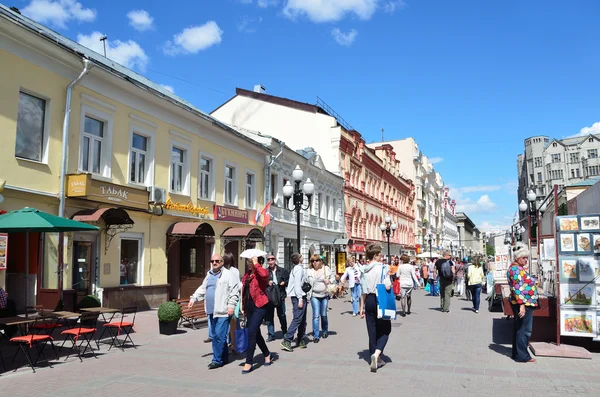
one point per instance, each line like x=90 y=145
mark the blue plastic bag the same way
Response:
x=241 y=340
x=386 y=302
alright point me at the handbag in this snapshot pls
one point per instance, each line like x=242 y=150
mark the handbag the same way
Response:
x=274 y=294
x=386 y=302
x=241 y=339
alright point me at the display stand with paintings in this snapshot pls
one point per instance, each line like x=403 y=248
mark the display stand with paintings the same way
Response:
x=578 y=240
x=3 y=250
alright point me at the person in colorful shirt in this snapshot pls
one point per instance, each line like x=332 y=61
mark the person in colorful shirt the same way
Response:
x=523 y=299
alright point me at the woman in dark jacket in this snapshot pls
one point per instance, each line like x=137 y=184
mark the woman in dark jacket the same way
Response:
x=254 y=307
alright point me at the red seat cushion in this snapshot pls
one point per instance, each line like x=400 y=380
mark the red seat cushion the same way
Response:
x=119 y=324
x=78 y=331
x=31 y=339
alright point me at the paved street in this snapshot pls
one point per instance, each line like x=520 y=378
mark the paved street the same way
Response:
x=430 y=353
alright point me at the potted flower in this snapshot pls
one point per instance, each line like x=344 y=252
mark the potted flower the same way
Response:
x=169 y=314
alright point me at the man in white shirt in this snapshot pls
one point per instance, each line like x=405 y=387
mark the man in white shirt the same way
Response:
x=352 y=274
x=298 y=297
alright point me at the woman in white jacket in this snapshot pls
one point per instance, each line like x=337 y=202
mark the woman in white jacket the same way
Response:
x=319 y=277
x=408 y=279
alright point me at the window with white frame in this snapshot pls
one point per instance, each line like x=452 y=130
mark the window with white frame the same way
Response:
x=250 y=190
x=230 y=185
x=274 y=189
x=334 y=210
x=592 y=153
x=131 y=264
x=206 y=189
x=537 y=161
x=328 y=209
x=138 y=163
x=574 y=157
x=96 y=139
x=556 y=157
x=177 y=169
x=32 y=136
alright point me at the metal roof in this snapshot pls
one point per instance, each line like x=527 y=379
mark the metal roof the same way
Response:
x=585 y=182
x=115 y=68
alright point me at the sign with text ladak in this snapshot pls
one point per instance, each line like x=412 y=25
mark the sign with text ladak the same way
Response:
x=83 y=186
x=230 y=214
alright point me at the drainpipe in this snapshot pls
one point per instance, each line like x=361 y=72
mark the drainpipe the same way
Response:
x=63 y=168
x=268 y=187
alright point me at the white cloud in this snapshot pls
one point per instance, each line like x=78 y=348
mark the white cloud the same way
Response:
x=345 y=39
x=329 y=10
x=127 y=53
x=194 y=39
x=58 y=12
x=266 y=3
x=436 y=160
x=493 y=227
x=140 y=20
x=246 y=1
x=168 y=88
x=483 y=205
x=390 y=7
x=248 y=25
x=594 y=129
x=479 y=188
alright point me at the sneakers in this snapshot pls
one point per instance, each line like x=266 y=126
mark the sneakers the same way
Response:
x=354 y=314
x=476 y=311
x=373 y=363
x=316 y=340
x=325 y=335
x=214 y=365
x=287 y=345
x=270 y=339
x=302 y=344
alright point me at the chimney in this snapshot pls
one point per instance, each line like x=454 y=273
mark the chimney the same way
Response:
x=260 y=89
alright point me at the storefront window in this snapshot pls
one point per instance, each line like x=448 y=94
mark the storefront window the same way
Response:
x=130 y=260
x=50 y=266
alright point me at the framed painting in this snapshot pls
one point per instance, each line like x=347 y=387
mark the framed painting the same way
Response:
x=567 y=223
x=578 y=295
x=578 y=323
x=568 y=269
x=589 y=222
x=567 y=243
x=584 y=243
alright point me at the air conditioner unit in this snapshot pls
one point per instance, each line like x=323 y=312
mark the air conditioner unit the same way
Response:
x=158 y=195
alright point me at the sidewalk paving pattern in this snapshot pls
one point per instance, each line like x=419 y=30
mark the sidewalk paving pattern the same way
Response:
x=429 y=353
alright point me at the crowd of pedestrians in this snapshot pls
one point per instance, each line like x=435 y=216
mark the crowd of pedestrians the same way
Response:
x=250 y=301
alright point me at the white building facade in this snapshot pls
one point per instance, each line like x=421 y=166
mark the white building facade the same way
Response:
x=450 y=238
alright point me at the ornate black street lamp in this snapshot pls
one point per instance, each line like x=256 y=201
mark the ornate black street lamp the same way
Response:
x=308 y=189
x=388 y=227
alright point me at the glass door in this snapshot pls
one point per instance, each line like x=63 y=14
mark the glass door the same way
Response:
x=82 y=252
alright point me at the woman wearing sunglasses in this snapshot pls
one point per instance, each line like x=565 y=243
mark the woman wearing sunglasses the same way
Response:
x=319 y=278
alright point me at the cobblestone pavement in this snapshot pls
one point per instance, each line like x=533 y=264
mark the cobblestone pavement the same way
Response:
x=429 y=353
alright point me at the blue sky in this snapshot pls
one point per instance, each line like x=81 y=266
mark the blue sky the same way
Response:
x=469 y=79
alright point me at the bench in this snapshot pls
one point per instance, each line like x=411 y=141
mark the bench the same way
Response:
x=190 y=315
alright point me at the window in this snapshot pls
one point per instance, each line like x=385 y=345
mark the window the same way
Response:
x=274 y=189
x=320 y=203
x=206 y=190
x=328 y=211
x=334 y=210
x=537 y=162
x=574 y=157
x=230 y=193
x=593 y=170
x=177 y=165
x=31 y=128
x=96 y=140
x=556 y=157
x=93 y=134
x=250 y=190
x=539 y=176
x=130 y=268
x=554 y=144
x=577 y=173
x=137 y=159
x=593 y=153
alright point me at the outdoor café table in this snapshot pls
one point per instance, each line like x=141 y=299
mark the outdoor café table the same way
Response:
x=102 y=311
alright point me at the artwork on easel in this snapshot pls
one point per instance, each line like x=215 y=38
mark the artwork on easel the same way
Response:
x=589 y=222
x=567 y=223
x=588 y=268
x=584 y=243
x=577 y=323
x=578 y=295
x=567 y=243
x=568 y=269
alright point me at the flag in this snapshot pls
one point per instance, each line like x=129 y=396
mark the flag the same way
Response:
x=266 y=212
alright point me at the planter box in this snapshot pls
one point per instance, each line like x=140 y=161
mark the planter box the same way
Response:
x=168 y=328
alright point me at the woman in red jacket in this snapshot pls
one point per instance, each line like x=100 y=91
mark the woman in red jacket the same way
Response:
x=254 y=306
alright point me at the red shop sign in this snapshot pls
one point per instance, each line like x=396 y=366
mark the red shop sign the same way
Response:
x=357 y=248
x=230 y=214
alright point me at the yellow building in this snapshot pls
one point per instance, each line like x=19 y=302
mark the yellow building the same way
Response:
x=167 y=184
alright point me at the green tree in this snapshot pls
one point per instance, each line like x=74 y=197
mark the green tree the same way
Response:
x=489 y=250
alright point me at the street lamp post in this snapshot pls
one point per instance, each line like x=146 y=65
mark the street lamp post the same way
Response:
x=430 y=240
x=298 y=194
x=524 y=207
x=388 y=227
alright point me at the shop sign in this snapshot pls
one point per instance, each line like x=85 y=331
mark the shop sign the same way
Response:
x=83 y=186
x=189 y=207
x=230 y=214
x=341 y=262
x=358 y=248
x=3 y=250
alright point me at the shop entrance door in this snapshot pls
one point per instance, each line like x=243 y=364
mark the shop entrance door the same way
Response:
x=82 y=268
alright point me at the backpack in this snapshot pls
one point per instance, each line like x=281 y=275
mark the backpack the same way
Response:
x=446 y=269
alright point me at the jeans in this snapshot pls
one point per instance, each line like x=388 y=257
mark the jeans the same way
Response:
x=432 y=287
x=476 y=293
x=210 y=330
x=319 y=310
x=271 y=319
x=445 y=294
x=220 y=329
x=377 y=329
x=255 y=318
x=299 y=321
x=356 y=292
x=521 y=334
x=459 y=285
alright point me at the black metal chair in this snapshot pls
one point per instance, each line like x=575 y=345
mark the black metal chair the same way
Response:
x=84 y=332
x=115 y=327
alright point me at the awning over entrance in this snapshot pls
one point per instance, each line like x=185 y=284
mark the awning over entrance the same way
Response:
x=110 y=216
x=191 y=229
x=243 y=233
x=342 y=241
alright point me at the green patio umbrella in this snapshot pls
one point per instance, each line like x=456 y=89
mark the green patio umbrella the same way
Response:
x=33 y=220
